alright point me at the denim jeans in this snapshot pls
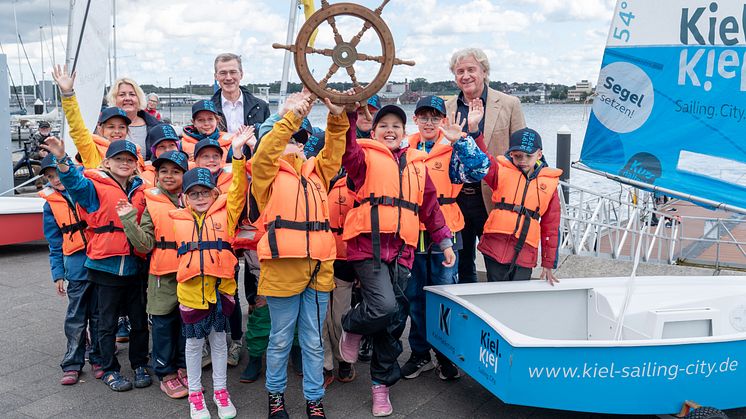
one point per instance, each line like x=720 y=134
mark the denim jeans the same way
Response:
x=168 y=344
x=427 y=269
x=308 y=310
x=81 y=314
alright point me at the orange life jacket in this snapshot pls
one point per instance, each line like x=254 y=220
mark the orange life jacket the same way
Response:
x=391 y=196
x=438 y=162
x=108 y=238
x=296 y=217
x=148 y=175
x=72 y=225
x=188 y=142
x=225 y=178
x=102 y=144
x=341 y=200
x=518 y=206
x=204 y=249
x=163 y=259
x=248 y=233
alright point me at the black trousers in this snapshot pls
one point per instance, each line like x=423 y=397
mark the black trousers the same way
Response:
x=131 y=296
x=497 y=271
x=168 y=344
x=475 y=216
x=382 y=315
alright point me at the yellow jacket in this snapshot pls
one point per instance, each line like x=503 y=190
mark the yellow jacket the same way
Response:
x=190 y=293
x=81 y=135
x=288 y=277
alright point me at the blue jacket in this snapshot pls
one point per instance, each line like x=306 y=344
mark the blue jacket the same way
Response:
x=83 y=192
x=70 y=267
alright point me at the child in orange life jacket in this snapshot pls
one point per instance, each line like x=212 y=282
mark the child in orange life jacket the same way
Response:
x=155 y=233
x=162 y=138
x=526 y=212
x=297 y=251
x=113 y=124
x=453 y=159
x=208 y=153
x=395 y=193
x=205 y=117
x=112 y=263
x=206 y=284
x=64 y=229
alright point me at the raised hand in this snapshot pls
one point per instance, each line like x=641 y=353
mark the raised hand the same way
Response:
x=63 y=79
x=124 y=207
x=301 y=109
x=55 y=146
x=476 y=113
x=451 y=128
x=290 y=102
x=241 y=138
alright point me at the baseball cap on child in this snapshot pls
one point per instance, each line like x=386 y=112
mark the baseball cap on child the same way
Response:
x=432 y=102
x=525 y=140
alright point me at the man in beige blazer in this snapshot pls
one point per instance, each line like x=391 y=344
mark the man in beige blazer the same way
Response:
x=502 y=116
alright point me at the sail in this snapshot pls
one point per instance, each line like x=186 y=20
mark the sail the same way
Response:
x=670 y=104
x=89 y=54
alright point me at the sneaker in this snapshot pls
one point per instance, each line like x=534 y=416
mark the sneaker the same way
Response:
x=222 y=400
x=142 y=378
x=277 y=406
x=182 y=374
x=297 y=357
x=348 y=346
x=315 y=409
x=98 y=371
x=345 y=372
x=253 y=370
x=123 y=330
x=116 y=381
x=447 y=370
x=416 y=365
x=381 y=402
x=328 y=377
x=234 y=352
x=69 y=378
x=171 y=385
x=365 y=353
x=206 y=358
x=197 y=407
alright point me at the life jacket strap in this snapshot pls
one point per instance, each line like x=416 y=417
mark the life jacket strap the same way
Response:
x=75 y=227
x=109 y=228
x=442 y=200
x=163 y=244
x=218 y=245
x=519 y=209
x=278 y=222
x=390 y=201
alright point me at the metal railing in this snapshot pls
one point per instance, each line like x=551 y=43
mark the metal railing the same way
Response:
x=610 y=225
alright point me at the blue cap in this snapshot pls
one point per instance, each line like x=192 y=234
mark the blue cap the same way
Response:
x=48 y=162
x=161 y=132
x=306 y=125
x=121 y=146
x=207 y=142
x=199 y=176
x=204 y=105
x=176 y=157
x=525 y=140
x=431 y=102
x=113 y=112
x=375 y=101
x=399 y=112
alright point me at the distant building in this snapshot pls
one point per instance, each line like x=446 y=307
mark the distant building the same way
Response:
x=527 y=95
x=582 y=89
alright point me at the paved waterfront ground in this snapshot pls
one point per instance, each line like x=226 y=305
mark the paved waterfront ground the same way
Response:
x=32 y=343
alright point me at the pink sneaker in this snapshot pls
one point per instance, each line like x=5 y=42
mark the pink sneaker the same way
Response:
x=381 y=402
x=182 y=374
x=222 y=400
x=197 y=407
x=349 y=345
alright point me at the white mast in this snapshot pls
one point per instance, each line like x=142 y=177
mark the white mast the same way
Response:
x=114 y=34
x=18 y=51
x=288 y=41
x=54 y=56
x=43 y=87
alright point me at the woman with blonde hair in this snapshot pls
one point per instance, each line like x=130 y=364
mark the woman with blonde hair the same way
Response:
x=126 y=94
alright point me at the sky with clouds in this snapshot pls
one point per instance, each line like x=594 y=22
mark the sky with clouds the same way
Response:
x=553 y=41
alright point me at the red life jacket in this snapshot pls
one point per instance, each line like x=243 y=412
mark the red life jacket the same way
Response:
x=341 y=201
x=108 y=238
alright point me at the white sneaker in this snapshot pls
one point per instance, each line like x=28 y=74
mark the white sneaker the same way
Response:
x=222 y=400
x=206 y=358
x=197 y=407
x=234 y=352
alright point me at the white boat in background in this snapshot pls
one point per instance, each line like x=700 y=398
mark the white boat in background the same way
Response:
x=632 y=345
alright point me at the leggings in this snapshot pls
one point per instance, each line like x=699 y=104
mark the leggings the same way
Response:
x=219 y=354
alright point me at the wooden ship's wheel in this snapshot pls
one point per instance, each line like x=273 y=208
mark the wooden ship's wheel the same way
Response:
x=345 y=53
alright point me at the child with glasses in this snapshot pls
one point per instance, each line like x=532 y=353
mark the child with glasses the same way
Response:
x=206 y=278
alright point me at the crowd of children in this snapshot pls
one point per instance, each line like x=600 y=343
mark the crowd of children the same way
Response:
x=339 y=231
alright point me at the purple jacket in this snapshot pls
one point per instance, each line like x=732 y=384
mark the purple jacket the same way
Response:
x=361 y=247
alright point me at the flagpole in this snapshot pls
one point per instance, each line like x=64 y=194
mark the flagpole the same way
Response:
x=288 y=40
